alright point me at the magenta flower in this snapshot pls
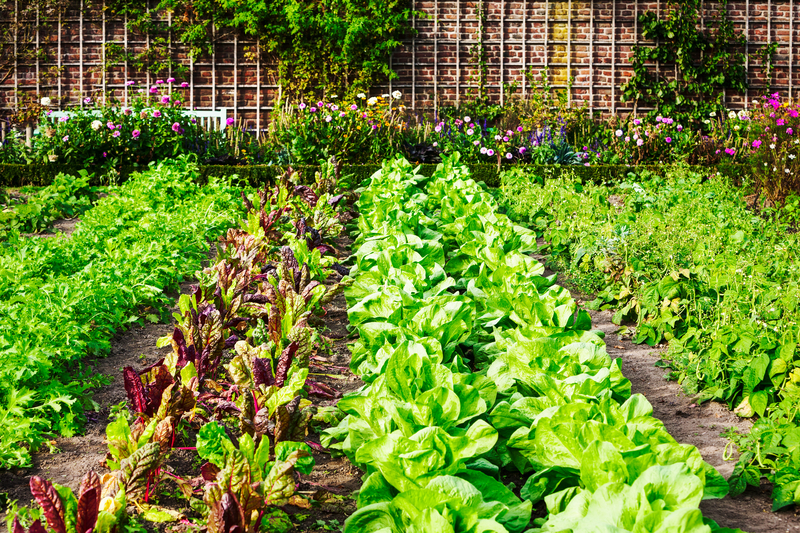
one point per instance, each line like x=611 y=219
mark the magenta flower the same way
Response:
x=679 y=127
x=505 y=139
x=170 y=80
x=185 y=84
x=789 y=131
x=353 y=107
x=87 y=100
x=668 y=139
x=780 y=122
x=165 y=99
x=193 y=120
x=136 y=134
x=302 y=105
x=320 y=104
x=130 y=82
x=793 y=113
x=156 y=114
x=756 y=144
x=312 y=109
x=636 y=122
x=334 y=107
x=176 y=127
x=490 y=152
x=229 y=121
x=127 y=111
x=730 y=151
x=519 y=129
x=105 y=154
x=159 y=82
x=115 y=134
x=522 y=150
x=62 y=119
x=342 y=114
x=153 y=90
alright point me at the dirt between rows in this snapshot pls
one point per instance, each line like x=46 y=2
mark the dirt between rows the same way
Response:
x=699 y=425
x=330 y=487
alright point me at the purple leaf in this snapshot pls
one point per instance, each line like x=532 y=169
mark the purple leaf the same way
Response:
x=262 y=372
x=48 y=499
x=284 y=363
x=135 y=390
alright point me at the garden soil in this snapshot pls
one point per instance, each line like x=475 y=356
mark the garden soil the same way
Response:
x=699 y=425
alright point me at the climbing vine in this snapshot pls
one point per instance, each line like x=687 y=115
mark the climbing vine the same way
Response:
x=708 y=59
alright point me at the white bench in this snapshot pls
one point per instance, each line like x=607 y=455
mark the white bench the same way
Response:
x=210 y=120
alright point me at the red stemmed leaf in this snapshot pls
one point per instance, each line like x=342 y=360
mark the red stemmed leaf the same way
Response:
x=90 y=481
x=284 y=363
x=262 y=372
x=209 y=471
x=135 y=389
x=50 y=502
x=88 y=509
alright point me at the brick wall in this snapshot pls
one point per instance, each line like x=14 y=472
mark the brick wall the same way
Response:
x=588 y=41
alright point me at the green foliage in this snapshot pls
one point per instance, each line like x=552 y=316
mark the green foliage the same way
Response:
x=64 y=298
x=708 y=61
x=474 y=364
x=723 y=291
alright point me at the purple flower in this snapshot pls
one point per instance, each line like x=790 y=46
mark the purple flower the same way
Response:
x=679 y=127
x=185 y=84
x=87 y=100
x=668 y=139
x=519 y=129
x=320 y=104
x=756 y=144
x=522 y=150
x=136 y=134
x=658 y=118
x=505 y=139
x=65 y=138
x=165 y=99
x=130 y=82
x=353 y=107
x=170 y=80
x=115 y=134
x=636 y=122
x=193 y=120
x=312 y=109
x=156 y=114
x=153 y=90
x=176 y=127
x=374 y=127
x=490 y=152
x=730 y=151
x=789 y=131
x=177 y=103
x=302 y=105
x=229 y=121
x=159 y=82
x=105 y=154
x=127 y=111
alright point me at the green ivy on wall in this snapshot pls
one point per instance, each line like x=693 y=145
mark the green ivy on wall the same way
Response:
x=707 y=56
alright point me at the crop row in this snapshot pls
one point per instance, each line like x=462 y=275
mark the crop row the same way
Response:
x=62 y=299
x=724 y=291
x=235 y=386
x=478 y=366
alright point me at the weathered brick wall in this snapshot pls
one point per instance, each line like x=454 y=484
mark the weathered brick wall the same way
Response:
x=588 y=41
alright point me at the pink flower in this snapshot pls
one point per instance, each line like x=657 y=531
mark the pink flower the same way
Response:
x=136 y=134
x=156 y=114
x=789 y=131
x=522 y=150
x=170 y=80
x=780 y=122
x=668 y=139
x=312 y=109
x=470 y=131
x=793 y=113
x=127 y=111
x=505 y=139
x=87 y=100
x=115 y=134
x=353 y=107
x=176 y=127
x=320 y=104
x=177 y=103
x=636 y=122
x=185 y=84
x=679 y=127
x=165 y=99
x=490 y=152
x=519 y=129
x=756 y=144
x=229 y=121
x=105 y=154
x=476 y=143
x=159 y=82
x=65 y=138
x=111 y=125
x=153 y=90
x=508 y=155
x=730 y=151
x=130 y=82
x=342 y=114
x=302 y=105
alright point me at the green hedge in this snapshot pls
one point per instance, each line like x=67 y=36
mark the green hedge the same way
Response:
x=262 y=175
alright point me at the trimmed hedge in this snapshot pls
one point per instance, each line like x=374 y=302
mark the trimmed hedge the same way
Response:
x=262 y=175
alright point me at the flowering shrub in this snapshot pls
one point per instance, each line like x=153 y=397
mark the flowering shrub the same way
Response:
x=774 y=147
x=106 y=138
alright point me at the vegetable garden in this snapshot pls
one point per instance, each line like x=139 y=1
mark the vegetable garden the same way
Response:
x=514 y=317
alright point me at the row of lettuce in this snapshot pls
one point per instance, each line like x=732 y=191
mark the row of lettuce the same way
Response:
x=476 y=366
x=689 y=263
x=235 y=386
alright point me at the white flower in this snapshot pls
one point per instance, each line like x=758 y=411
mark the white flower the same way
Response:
x=706 y=121
x=772 y=146
x=618 y=133
x=46 y=101
x=385 y=95
x=467 y=119
x=96 y=125
x=483 y=149
x=372 y=101
x=792 y=156
x=361 y=95
x=712 y=114
x=334 y=96
x=328 y=118
x=786 y=170
x=736 y=128
x=397 y=94
x=731 y=114
x=742 y=114
x=497 y=137
x=436 y=144
x=797 y=141
x=52 y=157
x=774 y=169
